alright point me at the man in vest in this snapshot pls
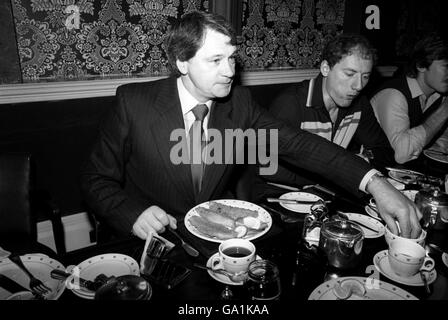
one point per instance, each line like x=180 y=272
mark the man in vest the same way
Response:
x=411 y=108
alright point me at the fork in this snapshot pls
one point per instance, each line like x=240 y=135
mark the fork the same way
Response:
x=35 y=284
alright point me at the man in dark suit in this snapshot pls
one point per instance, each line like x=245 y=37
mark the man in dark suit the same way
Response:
x=132 y=179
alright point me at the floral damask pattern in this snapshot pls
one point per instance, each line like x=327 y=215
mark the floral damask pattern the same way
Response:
x=285 y=34
x=126 y=37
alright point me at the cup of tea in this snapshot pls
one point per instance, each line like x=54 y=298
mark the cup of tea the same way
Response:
x=406 y=258
x=234 y=256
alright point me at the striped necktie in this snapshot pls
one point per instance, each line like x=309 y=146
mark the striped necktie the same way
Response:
x=197 y=144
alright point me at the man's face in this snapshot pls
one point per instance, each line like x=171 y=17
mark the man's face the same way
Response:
x=210 y=72
x=343 y=83
x=436 y=76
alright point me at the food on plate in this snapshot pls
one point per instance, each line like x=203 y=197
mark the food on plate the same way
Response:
x=348 y=287
x=233 y=212
x=222 y=221
x=212 y=229
x=216 y=217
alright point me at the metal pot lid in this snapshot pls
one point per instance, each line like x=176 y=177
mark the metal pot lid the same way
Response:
x=127 y=287
x=341 y=229
x=434 y=195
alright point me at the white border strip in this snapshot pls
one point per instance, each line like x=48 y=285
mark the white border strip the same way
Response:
x=63 y=90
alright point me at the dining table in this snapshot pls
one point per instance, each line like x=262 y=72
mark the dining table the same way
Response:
x=302 y=268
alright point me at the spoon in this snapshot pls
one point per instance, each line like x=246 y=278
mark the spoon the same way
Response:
x=235 y=277
x=188 y=248
x=425 y=283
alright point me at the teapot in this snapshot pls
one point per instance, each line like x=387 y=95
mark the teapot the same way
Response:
x=433 y=204
x=341 y=241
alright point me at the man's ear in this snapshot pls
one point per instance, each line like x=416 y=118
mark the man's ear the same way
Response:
x=324 y=68
x=182 y=66
x=421 y=69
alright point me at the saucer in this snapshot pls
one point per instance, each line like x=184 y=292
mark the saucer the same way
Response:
x=220 y=277
x=381 y=262
x=445 y=259
x=367 y=221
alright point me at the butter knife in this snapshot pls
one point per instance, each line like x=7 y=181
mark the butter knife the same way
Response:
x=187 y=247
x=292 y=201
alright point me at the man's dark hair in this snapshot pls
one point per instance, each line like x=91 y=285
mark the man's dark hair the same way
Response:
x=187 y=35
x=431 y=47
x=347 y=44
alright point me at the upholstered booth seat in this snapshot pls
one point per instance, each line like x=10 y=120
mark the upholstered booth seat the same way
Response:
x=19 y=204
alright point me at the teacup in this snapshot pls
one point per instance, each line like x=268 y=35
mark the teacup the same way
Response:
x=406 y=258
x=234 y=256
x=389 y=236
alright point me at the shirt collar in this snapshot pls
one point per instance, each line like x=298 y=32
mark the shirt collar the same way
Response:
x=416 y=91
x=187 y=101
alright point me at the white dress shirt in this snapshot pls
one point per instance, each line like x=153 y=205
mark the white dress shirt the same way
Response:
x=391 y=110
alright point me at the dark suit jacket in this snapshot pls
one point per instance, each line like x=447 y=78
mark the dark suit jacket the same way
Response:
x=130 y=167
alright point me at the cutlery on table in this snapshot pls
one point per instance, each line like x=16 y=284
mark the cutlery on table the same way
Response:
x=425 y=283
x=235 y=277
x=188 y=248
x=343 y=215
x=292 y=201
x=315 y=186
x=35 y=284
x=88 y=284
x=406 y=171
x=14 y=287
x=283 y=216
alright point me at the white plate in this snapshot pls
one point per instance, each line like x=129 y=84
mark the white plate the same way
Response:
x=263 y=215
x=396 y=184
x=435 y=156
x=372 y=213
x=220 y=277
x=368 y=221
x=111 y=264
x=301 y=196
x=410 y=194
x=405 y=176
x=445 y=259
x=381 y=262
x=40 y=266
x=384 y=291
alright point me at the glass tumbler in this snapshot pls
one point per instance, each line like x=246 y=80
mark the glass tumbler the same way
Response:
x=263 y=281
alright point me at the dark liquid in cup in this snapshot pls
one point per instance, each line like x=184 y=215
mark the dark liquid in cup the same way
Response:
x=237 y=252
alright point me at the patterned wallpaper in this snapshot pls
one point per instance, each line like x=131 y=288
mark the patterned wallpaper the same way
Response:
x=80 y=39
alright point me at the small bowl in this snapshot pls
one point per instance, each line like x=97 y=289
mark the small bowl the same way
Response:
x=389 y=236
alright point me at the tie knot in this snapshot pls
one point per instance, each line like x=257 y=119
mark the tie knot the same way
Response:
x=200 y=111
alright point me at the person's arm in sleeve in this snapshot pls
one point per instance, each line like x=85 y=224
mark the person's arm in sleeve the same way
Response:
x=391 y=109
x=370 y=135
x=103 y=175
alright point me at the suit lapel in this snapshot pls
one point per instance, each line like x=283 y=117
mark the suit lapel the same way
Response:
x=169 y=119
